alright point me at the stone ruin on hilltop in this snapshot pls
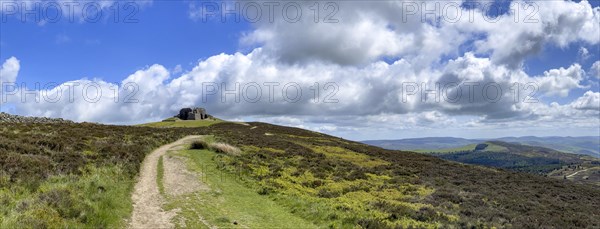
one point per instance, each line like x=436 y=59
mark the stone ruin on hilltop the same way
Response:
x=197 y=113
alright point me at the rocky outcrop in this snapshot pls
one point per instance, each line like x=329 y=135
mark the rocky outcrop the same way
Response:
x=183 y=113
x=8 y=118
x=197 y=113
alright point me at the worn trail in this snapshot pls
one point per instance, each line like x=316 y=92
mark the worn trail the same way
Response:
x=147 y=200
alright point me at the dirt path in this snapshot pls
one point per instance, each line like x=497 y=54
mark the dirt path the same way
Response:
x=147 y=201
x=178 y=180
x=575 y=173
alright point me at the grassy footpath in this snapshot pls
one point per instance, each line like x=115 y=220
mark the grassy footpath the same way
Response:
x=229 y=203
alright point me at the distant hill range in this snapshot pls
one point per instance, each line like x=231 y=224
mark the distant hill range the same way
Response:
x=515 y=156
x=575 y=145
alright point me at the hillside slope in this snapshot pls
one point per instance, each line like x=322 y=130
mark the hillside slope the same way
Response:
x=432 y=143
x=525 y=158
x=176 y=122
x=359 y=184
x=62 y=175
x=57 y=174
x=577 y=145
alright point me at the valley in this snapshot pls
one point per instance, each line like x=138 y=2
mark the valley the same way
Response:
x=525 y=158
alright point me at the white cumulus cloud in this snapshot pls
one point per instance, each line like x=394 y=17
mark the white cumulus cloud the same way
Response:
x=9 y=70
x=476 y=63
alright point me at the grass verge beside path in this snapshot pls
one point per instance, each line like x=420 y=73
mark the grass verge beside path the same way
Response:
x=229 y=202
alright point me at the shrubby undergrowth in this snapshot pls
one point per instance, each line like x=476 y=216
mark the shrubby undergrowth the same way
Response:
x=81 y=175
x=72 y=175
x=340 y=183
x=219 y=147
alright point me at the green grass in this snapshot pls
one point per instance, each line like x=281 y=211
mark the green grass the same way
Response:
x=339 y=153
x=229 y=200
x=494 y=148
x=310 y=174
x=299 y=176
x=99 y=198
x=160 y=174
x=329 y=201
x=72 y=175
x=448 y=150
x=490 y=148
x=182 y=123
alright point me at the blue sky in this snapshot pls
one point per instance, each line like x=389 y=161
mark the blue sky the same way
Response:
x=166 y=34
x=163 y=33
